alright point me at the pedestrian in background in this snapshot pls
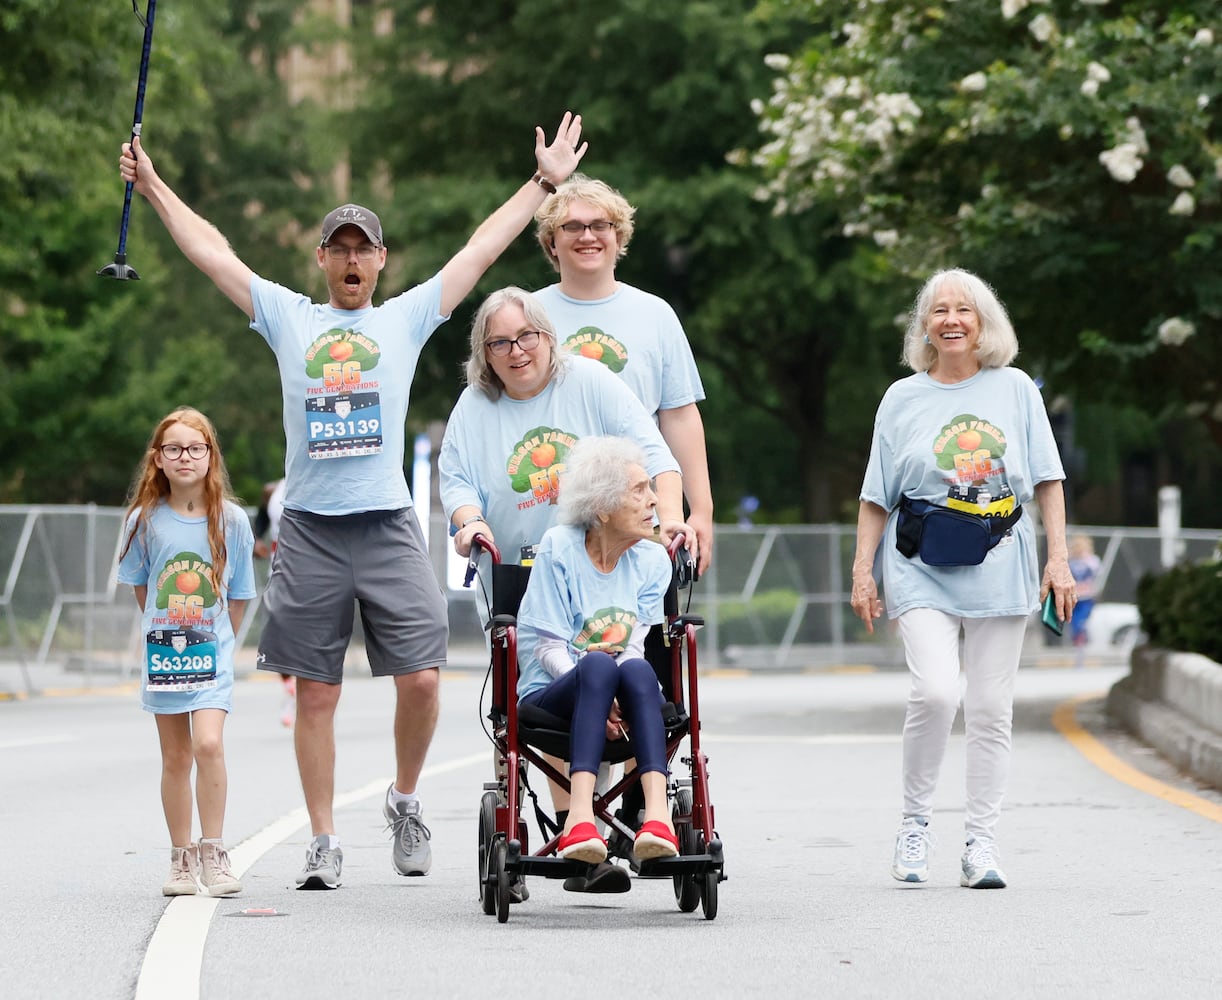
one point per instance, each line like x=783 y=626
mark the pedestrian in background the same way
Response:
x=958 y=448
x=187 y=555
x=1085 y=566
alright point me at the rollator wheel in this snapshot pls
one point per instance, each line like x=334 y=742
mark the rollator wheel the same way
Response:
x=708 y=892
x=487 y=831
x=687 y=891
x=499 y=850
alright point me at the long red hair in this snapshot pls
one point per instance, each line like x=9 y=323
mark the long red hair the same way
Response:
x=151 y=486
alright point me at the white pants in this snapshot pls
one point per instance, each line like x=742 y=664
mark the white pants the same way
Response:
x=991 y=650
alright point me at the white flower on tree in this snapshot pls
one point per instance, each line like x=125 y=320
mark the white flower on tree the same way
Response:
x=1175 y=331
x=1180 y=177
x=1184 y=204
x=1123 y=162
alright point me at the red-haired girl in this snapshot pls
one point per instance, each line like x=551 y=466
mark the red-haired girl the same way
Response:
x=187 y=553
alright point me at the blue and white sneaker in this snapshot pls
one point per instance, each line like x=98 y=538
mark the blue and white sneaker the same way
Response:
x=982 y=866
x=912 y=842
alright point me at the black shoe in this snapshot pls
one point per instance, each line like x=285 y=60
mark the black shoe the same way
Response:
x=518 y=893
x=602 y=877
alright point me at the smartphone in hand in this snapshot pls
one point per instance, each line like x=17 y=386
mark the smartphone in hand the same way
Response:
x=1049 y=614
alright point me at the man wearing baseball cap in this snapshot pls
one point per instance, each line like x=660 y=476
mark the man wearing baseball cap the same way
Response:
x=347 y=531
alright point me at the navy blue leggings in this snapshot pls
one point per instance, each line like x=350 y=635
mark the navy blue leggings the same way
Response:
x=584 y=696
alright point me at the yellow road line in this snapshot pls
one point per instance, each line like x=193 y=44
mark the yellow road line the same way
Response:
x=1065 y=719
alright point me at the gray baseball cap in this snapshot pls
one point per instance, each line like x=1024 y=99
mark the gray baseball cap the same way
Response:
x=352 y=215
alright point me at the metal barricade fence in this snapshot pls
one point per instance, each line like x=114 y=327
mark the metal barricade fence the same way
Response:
x=776 y=596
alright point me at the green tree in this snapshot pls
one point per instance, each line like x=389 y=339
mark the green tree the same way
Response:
x=665 y=86
x=88 y=365
x=1067 y=151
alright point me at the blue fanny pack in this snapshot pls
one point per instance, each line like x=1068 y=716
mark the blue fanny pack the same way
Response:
x=945 y=537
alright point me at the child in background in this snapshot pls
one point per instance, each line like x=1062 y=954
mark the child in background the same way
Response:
x=1084 y=565
x=187 y=555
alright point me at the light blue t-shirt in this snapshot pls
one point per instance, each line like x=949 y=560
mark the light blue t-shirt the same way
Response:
x=346 y=376
x=505 y=456
x=979 y=445
x=636 y=335
x=188 y=638
x=569 y=598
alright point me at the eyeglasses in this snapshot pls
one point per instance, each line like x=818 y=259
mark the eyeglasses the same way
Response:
x=173 y=452
x=575 y=228
x=528 y=341
x=337 y=251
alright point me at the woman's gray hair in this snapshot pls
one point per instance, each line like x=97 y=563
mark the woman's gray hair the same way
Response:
x=998 y=345
x=479 y=372
x=595 y=479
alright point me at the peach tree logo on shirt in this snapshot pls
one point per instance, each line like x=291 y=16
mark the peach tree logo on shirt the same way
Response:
x=185 y=587
x=591 y=342
x=341 y=358
x=537 y=460
x=971 y=447
x=606 y=631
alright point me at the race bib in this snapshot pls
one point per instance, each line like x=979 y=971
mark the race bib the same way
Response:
x=181 y=659
x=344 y=425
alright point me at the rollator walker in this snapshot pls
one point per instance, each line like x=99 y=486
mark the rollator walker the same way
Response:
x=523 y=735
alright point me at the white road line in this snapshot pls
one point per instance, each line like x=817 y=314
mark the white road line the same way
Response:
x=36 y=741
x=827 y=740
x=175 y=952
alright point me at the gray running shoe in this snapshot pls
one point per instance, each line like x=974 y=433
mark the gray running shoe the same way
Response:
x=412 y=854
x=982 y=866
x=911 y=863
x=322 y=867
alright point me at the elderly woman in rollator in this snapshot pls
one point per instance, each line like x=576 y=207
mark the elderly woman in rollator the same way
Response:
x=594 y=593
x=958 y=448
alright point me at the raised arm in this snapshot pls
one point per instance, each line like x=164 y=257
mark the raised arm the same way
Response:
x=199 y=240
x=554 y=162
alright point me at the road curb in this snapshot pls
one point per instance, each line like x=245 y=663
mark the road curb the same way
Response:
x=1173 y=702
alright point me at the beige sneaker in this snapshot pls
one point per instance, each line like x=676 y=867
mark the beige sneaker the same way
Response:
x=215 y=874
x=184 y=863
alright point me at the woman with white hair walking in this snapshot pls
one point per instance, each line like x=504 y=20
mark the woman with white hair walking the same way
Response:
x=958 y=448
x=594 y=593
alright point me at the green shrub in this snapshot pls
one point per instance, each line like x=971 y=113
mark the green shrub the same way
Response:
x=1182 y=609
x=761 y=620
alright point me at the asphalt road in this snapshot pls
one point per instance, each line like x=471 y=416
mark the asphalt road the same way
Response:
x=1114 y=887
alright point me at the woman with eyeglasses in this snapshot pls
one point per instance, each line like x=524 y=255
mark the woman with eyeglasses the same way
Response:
x=526 y=404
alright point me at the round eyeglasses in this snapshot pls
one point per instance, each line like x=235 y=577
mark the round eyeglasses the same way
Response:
x=337 y=251
x=528 y=341
x=575 y=228
x=173 y=452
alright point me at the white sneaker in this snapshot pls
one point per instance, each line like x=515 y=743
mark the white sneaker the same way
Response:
x=912 y=842
x=982 y=866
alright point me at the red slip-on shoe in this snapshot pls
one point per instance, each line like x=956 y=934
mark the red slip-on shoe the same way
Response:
x=583 y=843
x=655 y=841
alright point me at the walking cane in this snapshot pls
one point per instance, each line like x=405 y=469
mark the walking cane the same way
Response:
x=120 y=268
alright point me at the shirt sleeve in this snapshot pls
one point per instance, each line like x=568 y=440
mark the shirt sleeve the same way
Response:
x=457 y=482
x=133 y=567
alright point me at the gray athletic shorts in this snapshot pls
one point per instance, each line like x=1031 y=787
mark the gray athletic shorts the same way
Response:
x=324 y=564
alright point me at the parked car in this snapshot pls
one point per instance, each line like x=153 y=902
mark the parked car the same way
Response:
x=1114 y=627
